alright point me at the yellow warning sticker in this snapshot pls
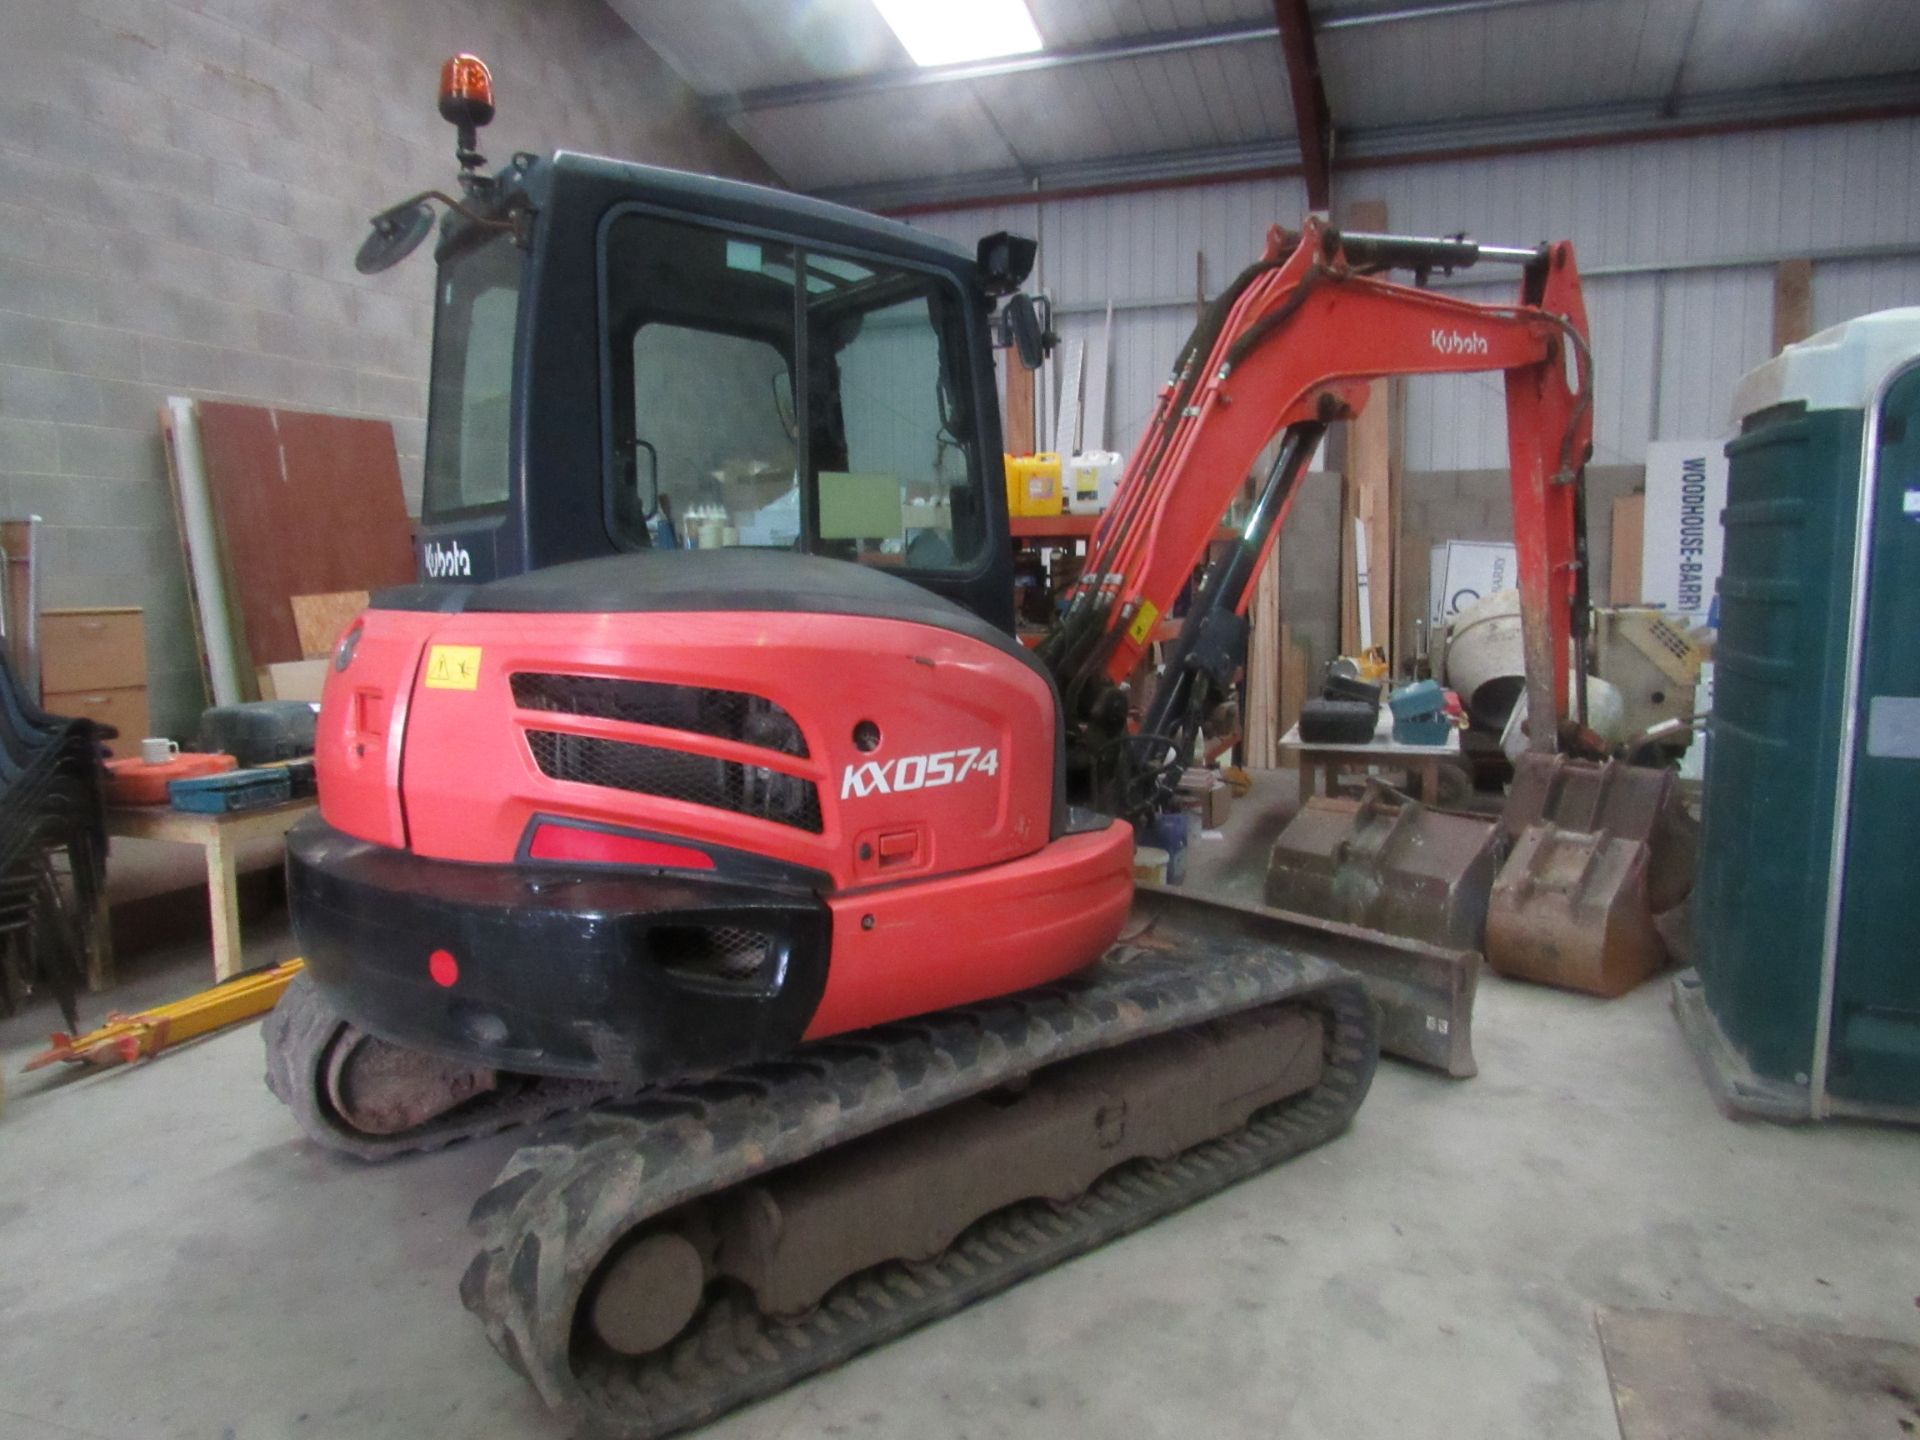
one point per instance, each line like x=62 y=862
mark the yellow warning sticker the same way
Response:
x=1142 y=625
x=453 y=667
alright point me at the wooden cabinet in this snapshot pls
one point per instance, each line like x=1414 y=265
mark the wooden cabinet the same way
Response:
x=93 y=664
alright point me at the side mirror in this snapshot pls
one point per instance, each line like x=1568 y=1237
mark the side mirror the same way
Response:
x=1029 y=336
x=396 y=234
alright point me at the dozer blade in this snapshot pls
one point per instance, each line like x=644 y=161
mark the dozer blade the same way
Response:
x=1574 y=903
x=1425 y=992
x=661 y=1260
x=1388 y=863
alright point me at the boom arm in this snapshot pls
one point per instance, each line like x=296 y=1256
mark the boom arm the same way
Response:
x=1291 y=346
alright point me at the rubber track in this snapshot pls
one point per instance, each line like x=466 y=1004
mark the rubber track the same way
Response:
x=301 y=1029
x=562 y=1204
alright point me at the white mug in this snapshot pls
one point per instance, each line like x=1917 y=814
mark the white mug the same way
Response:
x=157 y=750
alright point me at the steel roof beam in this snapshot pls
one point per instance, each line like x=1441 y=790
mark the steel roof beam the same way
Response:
x=1312 y=120
x=1129 y=47
x=1817 y=103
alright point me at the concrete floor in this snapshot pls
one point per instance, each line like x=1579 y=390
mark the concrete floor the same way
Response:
x=174 y=1262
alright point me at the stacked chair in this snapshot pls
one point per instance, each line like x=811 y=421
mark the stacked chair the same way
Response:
x=52 y=810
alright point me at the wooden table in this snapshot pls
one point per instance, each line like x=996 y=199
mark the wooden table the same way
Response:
x=1421 y=761
x=221 y=836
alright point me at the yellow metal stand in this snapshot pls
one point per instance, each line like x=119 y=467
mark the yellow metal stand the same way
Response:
x=126 y=1038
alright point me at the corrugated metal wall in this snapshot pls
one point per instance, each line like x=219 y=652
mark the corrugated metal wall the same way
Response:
x=1669 y=343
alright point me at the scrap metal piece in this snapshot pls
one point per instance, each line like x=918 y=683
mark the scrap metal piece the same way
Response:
x=1388 y=863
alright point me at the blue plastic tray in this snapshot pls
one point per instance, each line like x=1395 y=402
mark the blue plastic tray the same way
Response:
x=235 y=790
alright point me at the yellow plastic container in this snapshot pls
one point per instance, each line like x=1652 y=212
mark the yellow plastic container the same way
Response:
x=1033 y=485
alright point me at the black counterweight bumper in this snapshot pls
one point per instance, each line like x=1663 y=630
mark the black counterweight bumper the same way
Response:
x=556 y=970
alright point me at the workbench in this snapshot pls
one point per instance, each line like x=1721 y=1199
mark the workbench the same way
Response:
x=222 y=837
x=1420 y=762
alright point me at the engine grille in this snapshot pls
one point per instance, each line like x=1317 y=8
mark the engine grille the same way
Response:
x=678 y=775
x=727 y=953
x=722 y=714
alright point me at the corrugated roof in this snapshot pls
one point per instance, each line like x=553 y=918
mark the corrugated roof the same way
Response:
x=827 y=95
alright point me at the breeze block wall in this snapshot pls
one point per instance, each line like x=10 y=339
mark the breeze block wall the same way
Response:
x=182 y=189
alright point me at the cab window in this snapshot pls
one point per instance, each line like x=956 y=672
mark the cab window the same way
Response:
x=766 y=395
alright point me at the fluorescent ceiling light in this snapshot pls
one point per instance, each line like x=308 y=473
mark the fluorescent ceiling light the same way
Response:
x=947 y=32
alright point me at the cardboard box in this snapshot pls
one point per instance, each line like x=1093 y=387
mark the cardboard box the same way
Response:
x=102 y=649
x=1629 y=522
x=1209 y=795
x=123 y=707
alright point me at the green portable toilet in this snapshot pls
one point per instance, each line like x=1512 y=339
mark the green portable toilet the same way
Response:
x=1805 y=999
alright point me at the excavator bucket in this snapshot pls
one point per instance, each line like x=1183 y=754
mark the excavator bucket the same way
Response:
x=1597 y=850
x=1388 y=863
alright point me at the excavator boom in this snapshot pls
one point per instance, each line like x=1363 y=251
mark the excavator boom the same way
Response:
x=1291 y=346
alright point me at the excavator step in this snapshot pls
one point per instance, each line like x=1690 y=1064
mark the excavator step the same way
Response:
x=571 y=1211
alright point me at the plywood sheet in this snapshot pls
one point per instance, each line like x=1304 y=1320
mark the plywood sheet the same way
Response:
x=306 y=504
x=1703 y=1377
x=319 y=619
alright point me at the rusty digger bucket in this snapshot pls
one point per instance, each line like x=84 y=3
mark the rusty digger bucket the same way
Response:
x=1598 y=850
x=1388 y=863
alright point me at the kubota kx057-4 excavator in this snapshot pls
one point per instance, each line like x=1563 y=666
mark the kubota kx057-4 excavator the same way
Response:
x=782 y=862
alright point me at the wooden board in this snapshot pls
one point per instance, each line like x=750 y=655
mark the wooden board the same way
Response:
x=305 y=504
x=1265 y=646
x=1629 y=525
x=319 y=619
x=1792 y=303
x=1296 y=665
x=1016 y=418
x=1706 y=1377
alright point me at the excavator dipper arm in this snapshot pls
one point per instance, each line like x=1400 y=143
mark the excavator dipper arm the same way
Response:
x=1291 y=346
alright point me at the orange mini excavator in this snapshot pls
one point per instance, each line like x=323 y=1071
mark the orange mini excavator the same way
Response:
x=778 y=859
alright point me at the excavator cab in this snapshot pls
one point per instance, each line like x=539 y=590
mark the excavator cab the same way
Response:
x=762 y=371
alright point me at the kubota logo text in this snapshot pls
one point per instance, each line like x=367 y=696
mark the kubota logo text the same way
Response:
x=917 y=772
x=1452 y=342
x=449 y=559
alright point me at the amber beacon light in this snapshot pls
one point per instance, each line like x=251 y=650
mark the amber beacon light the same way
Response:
x=466 y=100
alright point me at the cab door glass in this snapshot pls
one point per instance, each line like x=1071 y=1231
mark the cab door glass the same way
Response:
x=763 y=395
x=715 y=413
x=703 y=440
x=891 y=452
